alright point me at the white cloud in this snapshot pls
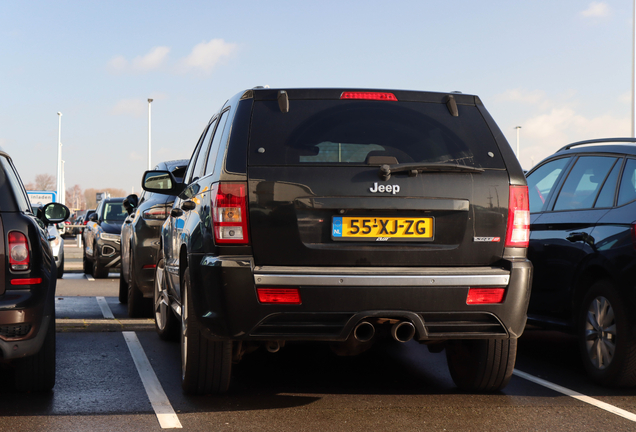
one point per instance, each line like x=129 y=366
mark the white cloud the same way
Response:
x=132 y=107
x=206 y=55
x=154 y=59
x=596 y=9
x=522 y=95
x=118 y=64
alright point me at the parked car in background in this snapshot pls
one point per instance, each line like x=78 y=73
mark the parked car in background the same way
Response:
x=27 y=293
x=101 y=241
x=140 y=243
x=583 y=248
x=57 y=246
x=344 y=216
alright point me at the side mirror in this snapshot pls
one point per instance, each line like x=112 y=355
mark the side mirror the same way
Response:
x=53 y=213
x=161 y=182
x=130 y=203
x=93 y=217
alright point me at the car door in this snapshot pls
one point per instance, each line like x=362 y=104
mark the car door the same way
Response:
x=178 y=234
x=560 y=235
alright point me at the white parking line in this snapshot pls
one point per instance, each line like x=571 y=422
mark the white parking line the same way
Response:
x=90 y=278
x=108 y=314
x=566 y=391
x=158 y=399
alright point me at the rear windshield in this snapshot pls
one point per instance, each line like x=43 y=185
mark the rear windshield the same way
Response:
x=316 y=132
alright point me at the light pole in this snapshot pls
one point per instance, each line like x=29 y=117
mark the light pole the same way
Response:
x=149 y=135
x=634 y=72
x=519 y=127
x=59 y=185
x=63 y=190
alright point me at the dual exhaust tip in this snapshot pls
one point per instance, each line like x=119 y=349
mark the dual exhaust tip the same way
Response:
x=402 y=331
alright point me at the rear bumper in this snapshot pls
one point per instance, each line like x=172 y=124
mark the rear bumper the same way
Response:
x=335 y=300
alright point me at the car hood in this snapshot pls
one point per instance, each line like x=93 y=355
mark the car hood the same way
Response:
x=111 y=227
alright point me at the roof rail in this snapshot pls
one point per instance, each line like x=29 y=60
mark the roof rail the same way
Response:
x=598 y=141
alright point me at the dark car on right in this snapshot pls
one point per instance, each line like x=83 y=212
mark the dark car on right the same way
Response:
x=140 y=243
x=583 y=248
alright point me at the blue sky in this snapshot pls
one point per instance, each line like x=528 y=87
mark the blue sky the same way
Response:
x=559 y=69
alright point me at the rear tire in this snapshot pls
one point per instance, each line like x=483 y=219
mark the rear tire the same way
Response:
x=481 y=365
x=88 y=266
x=123 y=288
x=166 y=323
x=606 y=339
x=37 y=372
x=206 y=366
x=138 y=306
x=60 y=269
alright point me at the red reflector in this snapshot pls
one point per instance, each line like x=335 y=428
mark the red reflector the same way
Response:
x=369 y=96
x=29 y=281
x=518 y=230
x=485 y=295
x=278 y=295
x=149 y=266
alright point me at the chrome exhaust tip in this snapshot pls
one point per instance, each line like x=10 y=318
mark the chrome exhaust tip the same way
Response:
x=403 y=331
x=364 y=331
x=272 y=346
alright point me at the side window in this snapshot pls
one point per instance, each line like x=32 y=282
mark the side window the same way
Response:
x=216 y=141
x=606 y=197
x=193 y=158
x=16 y=186
x=202 y=156
x=542 y=181
x=627 y=191
x=584 y=182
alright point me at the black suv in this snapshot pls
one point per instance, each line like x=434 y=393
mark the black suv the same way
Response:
x=583 y=247
x=27 y=292
x=101 y=237
x=140 y=243
x=344 y=216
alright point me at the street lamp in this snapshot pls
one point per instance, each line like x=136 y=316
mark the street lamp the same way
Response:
x=59 y=185
x=149 y=136
x=517 y=127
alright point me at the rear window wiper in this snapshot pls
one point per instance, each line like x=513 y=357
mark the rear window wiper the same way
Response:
x=414 y=168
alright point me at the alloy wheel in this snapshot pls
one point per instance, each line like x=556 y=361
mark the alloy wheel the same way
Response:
x=600 y=332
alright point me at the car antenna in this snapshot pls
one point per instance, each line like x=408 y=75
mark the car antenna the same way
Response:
x=283 y=101
x=452 y=105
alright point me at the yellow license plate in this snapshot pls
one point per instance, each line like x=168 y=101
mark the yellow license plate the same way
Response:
x=382 y=228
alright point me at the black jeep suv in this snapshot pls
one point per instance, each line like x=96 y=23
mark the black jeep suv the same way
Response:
x=28 y=276
x=344 y=216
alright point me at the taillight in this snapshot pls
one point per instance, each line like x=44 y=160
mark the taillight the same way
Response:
x=369 y=96
x=229 y=213
x=518 y=231
x=278 y=295
x=485 y=295
x=19 y=255
x=156 y=213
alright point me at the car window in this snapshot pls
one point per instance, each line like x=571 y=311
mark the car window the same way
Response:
x=193 y=158
x=627 y=191
x=16 y=185
x=214 y=147
x=608 y=191
x=203 y=154
x=541 y=182
x=584 y=182
x=332 y=132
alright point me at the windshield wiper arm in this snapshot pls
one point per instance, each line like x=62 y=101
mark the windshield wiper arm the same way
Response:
x=413 y=168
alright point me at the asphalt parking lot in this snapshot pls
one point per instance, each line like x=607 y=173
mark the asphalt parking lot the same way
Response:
x=115 y=374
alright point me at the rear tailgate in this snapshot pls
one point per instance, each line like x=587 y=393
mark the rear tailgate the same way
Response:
x=317 y=196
